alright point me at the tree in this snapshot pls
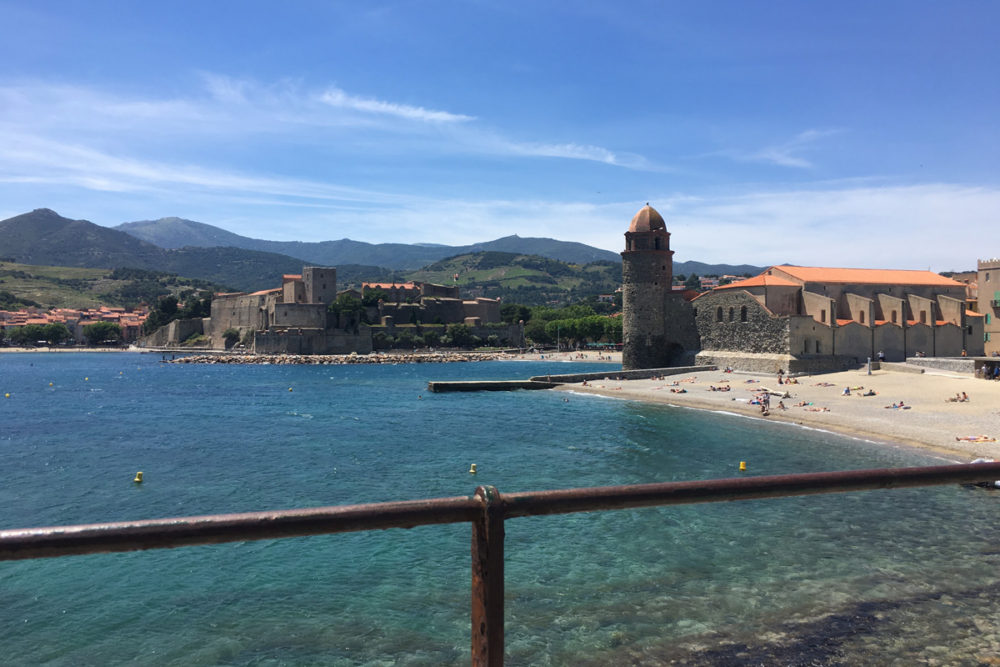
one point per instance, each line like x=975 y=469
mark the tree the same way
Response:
x=461 y=335
x=99 y=333
x=513 y=313
x=56 y=333
x=231 y=336
x=693 y=281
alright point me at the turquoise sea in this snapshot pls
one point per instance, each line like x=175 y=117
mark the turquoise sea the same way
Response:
x=884 y=577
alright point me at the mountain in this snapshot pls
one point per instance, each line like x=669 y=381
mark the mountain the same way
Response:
x=43 y=237
x=178 y=233
x=702 y=269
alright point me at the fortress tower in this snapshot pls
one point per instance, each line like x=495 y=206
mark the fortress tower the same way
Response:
x=647 y=303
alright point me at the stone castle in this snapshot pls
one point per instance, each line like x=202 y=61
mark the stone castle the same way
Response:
x=794 y=318
x=295 y=318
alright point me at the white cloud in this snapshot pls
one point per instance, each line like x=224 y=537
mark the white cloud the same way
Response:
x=335 y=97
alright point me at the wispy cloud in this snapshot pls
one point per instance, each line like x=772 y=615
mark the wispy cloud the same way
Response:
x=335 y=97
x=785 y=154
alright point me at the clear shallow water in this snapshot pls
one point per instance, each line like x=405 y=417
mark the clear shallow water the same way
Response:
x=878 y=577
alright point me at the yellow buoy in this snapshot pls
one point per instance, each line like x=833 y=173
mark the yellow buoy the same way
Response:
x=472 y=469
x=138 y=478
x=289 y=389
x=743 y=466
x=86 y=379
x=50 y=384
x=6 y=395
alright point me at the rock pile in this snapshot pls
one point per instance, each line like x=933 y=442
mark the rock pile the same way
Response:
x=320 y=359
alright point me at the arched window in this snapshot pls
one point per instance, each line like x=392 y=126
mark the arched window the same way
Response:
x=657 y=243
x=894 y=317
x=817 y=347
x=861 y=316
x=822 y=315
x=923 y=317
x=718 y=314
x=731 y=311
x=805 y=346
x=743 y=313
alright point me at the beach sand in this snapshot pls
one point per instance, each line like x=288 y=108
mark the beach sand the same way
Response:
x=931 y=422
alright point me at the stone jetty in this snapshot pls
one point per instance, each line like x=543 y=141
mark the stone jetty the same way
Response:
x=337 y=359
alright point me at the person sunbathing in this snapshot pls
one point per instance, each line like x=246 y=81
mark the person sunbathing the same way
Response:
x=870 y=392
x=818 y=409
x=975 y=438
x=802 y=404
x=678 y=391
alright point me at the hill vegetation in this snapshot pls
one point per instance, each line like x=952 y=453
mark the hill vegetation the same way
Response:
x=527 y=279
x=24 y=285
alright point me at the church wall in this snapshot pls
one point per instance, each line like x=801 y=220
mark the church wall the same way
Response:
x=952 y=310
x=809 y=339
x=890 y=308
x=819 y=307
x=921 y=308
x=890 y=339
x=948 y=340
x=487 y=310
x=745 y=324
x=782 y=299
x=853 y=340
x=442 y=310
x=858 y=308
x=919 y=338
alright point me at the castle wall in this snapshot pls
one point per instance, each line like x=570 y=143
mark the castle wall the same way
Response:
x=442 y=291
x=245 y=312
x=313 y=343
x=298 y=315
x=320 y=284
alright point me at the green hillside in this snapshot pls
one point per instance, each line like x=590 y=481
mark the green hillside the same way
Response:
x=72 y=287
x=527 y=279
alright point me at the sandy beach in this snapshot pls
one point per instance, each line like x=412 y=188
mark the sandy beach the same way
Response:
x=928 y=420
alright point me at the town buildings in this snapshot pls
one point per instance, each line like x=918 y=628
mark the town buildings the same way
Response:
x=129 y=320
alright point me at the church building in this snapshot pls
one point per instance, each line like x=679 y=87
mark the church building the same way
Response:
x=794 y=318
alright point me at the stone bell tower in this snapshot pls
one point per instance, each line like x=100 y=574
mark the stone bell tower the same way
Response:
x=647 y=274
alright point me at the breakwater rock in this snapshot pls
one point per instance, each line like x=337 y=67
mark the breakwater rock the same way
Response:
x=321 y=359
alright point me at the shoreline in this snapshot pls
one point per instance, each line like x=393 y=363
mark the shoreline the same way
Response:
x=929 y=421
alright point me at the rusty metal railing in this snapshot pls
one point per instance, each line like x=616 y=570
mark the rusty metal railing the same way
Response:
x=486 y=510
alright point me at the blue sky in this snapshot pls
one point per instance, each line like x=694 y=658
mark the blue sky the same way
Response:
x=839 y=134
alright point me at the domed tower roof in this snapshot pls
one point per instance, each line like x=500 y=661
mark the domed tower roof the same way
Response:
x=647 y=220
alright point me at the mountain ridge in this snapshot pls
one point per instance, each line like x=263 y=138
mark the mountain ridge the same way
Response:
x=173 y=232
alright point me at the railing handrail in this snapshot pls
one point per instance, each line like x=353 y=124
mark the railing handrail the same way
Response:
x=487 y=510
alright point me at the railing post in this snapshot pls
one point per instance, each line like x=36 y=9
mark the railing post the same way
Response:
x=487 y=580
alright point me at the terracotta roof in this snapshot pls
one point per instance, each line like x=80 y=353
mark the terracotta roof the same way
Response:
x=843 y=322
x=972 y=313
x=264 y=291
x=647 y=220
x=758 y=281
x=818 y=274
x=291 y=276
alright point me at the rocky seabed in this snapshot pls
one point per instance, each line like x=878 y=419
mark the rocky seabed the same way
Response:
x=321 y=359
